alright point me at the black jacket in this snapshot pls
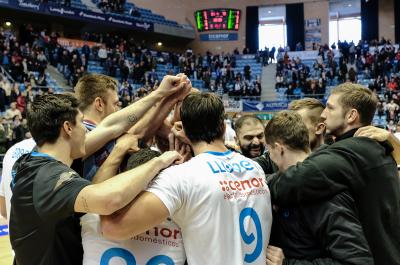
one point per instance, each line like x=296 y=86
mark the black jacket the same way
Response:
x=365 y=168
x=311 y=234
x=266 y=163
x=328 y=229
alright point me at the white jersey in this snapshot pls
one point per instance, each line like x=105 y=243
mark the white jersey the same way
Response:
x=12 y=155
x=222 y=204
x=160 y=245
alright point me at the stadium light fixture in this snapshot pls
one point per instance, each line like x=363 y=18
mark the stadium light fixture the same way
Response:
x=159 y=44
x=8 y=23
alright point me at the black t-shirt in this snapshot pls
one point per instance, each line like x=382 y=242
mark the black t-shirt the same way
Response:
x=266 y=163
x=43 y=228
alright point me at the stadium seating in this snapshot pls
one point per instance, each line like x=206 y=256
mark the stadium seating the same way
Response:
x=146 y=15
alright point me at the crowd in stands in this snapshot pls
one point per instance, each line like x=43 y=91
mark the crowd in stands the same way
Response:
x=26 y=60
x=375 y=65
x=112 y=5
x=25 y=63
x=354 y=60
x=13 y=107
x=135 y=65
x=125 y=58
x=27 y=55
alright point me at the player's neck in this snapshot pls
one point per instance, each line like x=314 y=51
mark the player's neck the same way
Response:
x=292 y=158
x=215 y=146
x=92 y=115
x=318 y=142
x=60 y=150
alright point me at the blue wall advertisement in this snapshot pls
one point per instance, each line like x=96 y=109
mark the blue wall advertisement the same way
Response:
x=219 y=37
x=81 y=14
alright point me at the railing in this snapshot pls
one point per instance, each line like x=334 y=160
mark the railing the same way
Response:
x=294 y=97
x=284 y=98
x=4 y=72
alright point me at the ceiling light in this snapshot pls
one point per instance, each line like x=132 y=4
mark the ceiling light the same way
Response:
x=8 y=23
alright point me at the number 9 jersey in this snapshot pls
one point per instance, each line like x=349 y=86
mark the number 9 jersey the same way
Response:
x=222 y=204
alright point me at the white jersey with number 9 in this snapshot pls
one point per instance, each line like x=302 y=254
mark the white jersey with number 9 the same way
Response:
x=222 y=204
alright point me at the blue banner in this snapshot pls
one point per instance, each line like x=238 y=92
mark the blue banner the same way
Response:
x=81 y=14
x=265 y=105
x=219 y=37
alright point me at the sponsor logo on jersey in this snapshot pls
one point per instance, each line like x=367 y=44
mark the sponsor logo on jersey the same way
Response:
x=64 y=177
x=220 y=166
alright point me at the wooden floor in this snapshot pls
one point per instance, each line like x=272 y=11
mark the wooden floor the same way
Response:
x=5 y=248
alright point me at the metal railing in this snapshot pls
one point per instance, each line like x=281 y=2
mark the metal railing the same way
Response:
x=5 y=73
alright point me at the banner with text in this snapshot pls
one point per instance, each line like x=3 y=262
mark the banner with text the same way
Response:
x=219 y=37
x=264 y=106
x=76 y=43
x=81 y=14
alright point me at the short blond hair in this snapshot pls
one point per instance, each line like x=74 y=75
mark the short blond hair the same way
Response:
x=287 y=127
x=91 y=86
x=310 y=104
x=355 y=96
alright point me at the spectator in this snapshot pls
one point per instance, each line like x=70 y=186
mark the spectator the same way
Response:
x=102 y=54
x=13 y=112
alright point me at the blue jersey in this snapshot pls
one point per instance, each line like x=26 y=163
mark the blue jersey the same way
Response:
x=92 y=164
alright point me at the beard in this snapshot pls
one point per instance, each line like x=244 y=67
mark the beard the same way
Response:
x=248 y=151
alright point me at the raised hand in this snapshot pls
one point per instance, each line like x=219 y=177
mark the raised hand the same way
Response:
x=128 y=142
x=173 y=84
x=169 y=157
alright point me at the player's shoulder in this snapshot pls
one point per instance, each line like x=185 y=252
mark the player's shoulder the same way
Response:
x=180 y=167
x=186 y=169
x=50 y=168
x=359 y=145
x=246 y=160
x=19 y=149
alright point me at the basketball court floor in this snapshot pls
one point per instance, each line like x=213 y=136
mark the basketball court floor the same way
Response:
x=5 y=248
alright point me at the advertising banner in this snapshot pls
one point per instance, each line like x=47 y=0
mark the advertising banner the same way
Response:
x=219 y=37
x=81 y=14
x=264 y=106
x=76 y=43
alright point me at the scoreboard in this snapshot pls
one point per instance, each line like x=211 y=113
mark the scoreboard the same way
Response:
x=217 y=19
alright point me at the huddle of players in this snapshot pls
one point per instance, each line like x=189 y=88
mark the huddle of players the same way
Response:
x=217 y=204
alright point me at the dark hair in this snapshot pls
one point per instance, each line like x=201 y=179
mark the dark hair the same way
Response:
x=141 y=157
x=287 y=128
x=246 y=120
x=47 y=115
x=202 y=117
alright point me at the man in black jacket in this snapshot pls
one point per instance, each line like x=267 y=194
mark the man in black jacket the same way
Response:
x=310 y=110
x=325 y=232
x=360 y=165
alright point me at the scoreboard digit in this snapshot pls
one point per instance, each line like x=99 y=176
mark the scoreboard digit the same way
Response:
x=217 y=19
